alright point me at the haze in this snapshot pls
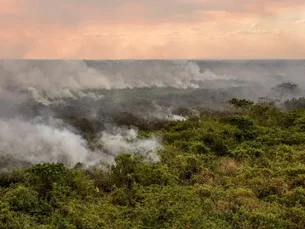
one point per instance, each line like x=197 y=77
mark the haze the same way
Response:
x=147 y=29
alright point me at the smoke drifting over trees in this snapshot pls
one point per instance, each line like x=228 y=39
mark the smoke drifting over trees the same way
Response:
x=61 y=111
x=152 y=144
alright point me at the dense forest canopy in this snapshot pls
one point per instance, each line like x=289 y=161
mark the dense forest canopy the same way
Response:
x=241 y=169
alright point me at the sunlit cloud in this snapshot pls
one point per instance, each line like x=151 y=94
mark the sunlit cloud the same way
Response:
x=97 y=29
x=300 y=21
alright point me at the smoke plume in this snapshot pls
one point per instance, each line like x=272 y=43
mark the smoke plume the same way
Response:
x=50 y=140
x=40 y=99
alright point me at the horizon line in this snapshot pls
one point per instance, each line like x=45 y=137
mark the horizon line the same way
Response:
x=158 y=59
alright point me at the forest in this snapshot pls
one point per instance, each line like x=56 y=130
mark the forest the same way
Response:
x=243 y=168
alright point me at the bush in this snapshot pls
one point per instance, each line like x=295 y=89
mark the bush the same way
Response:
x=216 y=144
x=199 y=148
x=42 y=177
x=22 y=199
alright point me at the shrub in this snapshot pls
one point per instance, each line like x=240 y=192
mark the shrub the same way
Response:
x=216 y=144
x=199 y=148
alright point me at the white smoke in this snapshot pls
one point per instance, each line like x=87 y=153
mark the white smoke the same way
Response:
x=38 y=142
x=50 y=80
x=52 y=76
x=43 y=141
x=49 y=98
x=162 y=113
x=122 y=140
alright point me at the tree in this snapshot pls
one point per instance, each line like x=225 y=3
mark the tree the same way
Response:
x=43 y=177
x=286 y=89
x=241 y=104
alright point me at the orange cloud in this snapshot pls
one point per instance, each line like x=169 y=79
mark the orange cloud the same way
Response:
x=8 y=7
x=98 y=29
x=300 y=21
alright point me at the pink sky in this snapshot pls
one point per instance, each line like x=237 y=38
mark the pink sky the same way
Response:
x=145 y=29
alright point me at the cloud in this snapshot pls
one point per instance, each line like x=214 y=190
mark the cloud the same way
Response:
x=299 y=22
x=77 y=12
x=99 y=29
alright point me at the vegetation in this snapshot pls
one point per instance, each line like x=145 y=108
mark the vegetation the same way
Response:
x=240 y=170
x=286 y=89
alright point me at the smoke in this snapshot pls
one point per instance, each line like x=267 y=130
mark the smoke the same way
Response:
x=109 y=90
x=163 y=113
x=43 y=140
x=38 y=142
x=48 y=98
x=50 y=75
x=121 y=140
x=47 y=81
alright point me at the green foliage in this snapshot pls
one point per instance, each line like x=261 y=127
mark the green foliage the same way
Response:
x=216 y=144
x=199 y=148
x=245 y=170
x=10 y=178
x=129 y=170
x=43 y=177
x=242 y=104
x=22 y=199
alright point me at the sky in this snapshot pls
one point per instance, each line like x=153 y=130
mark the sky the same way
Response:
x=152 y=29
